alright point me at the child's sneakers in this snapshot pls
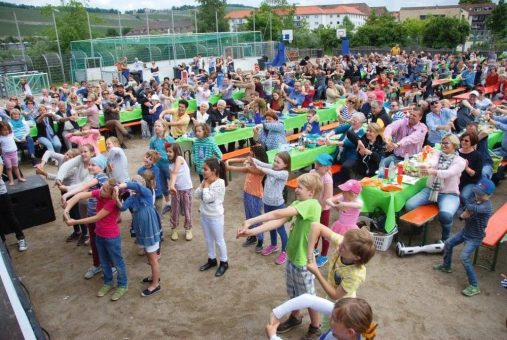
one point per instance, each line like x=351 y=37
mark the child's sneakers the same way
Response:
x=312 y=334
x=321 y=260
x=104 y=290
x=282 y=258
x=316 y=252
x=92 y=272
x=22 y=246
x=249 y=241
x=289 y=324
x=269 y=250
x=441 y=268
x=471 y=291
x=188 y=235
x=118 y=293
x=258 y=246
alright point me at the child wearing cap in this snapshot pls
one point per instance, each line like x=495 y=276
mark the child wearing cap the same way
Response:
x=477 y=212
x=322 y=164
x=348 y=205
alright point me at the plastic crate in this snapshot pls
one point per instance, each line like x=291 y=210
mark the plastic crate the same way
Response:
x=383 y=241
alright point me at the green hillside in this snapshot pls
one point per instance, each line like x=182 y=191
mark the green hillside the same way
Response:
x=32 y=22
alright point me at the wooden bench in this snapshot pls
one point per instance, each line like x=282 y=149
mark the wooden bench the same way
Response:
x=455 y=91
x=234 y=154
x=489 y=89
x=420 y=217
x=495 y=232
x=126 y=125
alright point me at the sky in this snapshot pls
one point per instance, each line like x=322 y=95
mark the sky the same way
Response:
x=123 y=5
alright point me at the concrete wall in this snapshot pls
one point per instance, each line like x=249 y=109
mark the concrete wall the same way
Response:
x=416 y=13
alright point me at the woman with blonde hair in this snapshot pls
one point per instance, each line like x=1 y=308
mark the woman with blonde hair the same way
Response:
x=444 y=169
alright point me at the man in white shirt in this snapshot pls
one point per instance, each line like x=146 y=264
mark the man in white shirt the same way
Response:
x=137 y=70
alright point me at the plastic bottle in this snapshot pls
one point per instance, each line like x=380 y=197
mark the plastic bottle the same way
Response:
x=405 y=161
x=392 y=172
x=301 y=141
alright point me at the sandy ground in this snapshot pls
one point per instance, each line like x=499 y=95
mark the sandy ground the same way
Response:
x=410 y=300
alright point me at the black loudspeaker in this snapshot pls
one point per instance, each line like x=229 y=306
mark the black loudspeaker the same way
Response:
x=31 y=202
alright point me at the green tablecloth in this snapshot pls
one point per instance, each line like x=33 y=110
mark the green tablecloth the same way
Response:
x=237 y=95
x=125 y=117
x=302 y=159
x=221 y=138
x=297 y=121
x=389 y=202
x=494 y=138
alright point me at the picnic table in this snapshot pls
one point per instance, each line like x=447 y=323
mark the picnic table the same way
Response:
x=302 y=159
x=439 y=82
x=495 y=138
x=236 y=95
x=297 y=120
x=390 y=202
x=125 y=117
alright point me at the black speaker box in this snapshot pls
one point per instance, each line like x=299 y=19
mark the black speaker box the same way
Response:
x=31 y=202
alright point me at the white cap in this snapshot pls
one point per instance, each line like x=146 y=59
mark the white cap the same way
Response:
x=155 y=97
x=474 y=93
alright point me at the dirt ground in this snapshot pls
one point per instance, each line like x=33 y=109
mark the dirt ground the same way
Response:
x=409 y=299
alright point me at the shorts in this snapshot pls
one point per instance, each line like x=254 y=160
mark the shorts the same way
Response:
x=10 y=159
x=153 y=248
x=298 y=280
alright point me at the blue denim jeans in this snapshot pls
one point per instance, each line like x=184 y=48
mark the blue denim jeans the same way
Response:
x=253 y=208
x=467 y=192
x=385 y=162
x=164 y=178
x=52 y=145
x=448 y=204
x=466 y=253
x=109 y=250
x=281 y=229
x=29 y=144
x=487 y=171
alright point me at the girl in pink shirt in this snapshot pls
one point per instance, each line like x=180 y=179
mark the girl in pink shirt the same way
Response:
x=87 y=135
x=108 y=237
x=349 y=206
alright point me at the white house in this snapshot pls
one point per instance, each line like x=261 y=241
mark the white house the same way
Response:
x=314 y=16
x=333 y=16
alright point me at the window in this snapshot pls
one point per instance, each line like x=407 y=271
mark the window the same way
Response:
x=316 y=16
x=316 y=23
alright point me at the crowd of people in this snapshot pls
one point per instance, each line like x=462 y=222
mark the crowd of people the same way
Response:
x=391 y=111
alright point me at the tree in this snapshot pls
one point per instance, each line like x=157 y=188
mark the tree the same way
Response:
x=111 y=32
x=497 y=19
x=271 y=18
x=71 y=22
x=327 y=37
x=379 y=31
x=415 y=29
x=209 y=10
x=445 y=32
x=348 y=25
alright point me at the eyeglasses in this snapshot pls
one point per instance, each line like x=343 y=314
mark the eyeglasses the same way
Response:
x=465 y=140
x=445 y=143
x=435 y=102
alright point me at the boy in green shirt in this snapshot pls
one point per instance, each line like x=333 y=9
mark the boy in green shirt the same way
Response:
x=302 y=213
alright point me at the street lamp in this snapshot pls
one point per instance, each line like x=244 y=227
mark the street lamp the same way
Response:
x=53 y=10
